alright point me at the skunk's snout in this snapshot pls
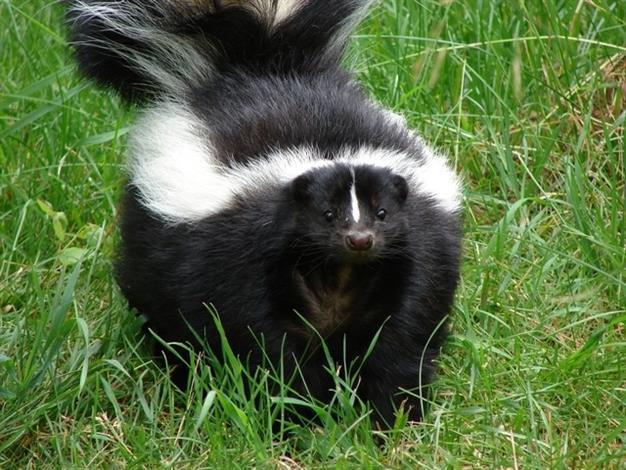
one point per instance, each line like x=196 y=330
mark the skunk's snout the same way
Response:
x=359 y=241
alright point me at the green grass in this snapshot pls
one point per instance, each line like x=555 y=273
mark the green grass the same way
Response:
x=528 y=99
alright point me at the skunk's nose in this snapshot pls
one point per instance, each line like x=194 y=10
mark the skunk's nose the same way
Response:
x=359 y=241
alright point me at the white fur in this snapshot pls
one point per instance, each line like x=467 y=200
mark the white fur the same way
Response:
x=354 y=201
x=179 y=178
x=172 y=166
x=286 y=8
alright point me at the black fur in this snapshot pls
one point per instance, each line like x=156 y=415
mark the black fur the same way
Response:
x=249 y=263
x=286 y=250
x=253 y=113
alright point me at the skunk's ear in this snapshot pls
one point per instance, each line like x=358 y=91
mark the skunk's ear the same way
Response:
x=401 y=187
x=300 y=188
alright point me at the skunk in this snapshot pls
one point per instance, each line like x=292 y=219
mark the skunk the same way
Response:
x=265 y=183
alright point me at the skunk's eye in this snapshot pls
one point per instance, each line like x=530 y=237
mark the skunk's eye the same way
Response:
x=329 y=216
x=381 y=214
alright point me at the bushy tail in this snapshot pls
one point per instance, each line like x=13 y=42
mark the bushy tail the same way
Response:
x=147 y=48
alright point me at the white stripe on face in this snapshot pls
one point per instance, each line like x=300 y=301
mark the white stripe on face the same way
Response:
x=354 y=202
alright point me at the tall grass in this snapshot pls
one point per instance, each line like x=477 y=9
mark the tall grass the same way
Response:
x=526 y=98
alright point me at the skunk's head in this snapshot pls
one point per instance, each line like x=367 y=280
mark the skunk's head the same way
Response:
x=350 y=212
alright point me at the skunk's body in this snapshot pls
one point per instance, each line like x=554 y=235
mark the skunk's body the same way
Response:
x=264 y=182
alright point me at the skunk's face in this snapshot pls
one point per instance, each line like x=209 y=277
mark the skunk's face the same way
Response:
x=346 y=212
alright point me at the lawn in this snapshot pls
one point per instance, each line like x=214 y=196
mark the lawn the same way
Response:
x=528 y=99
